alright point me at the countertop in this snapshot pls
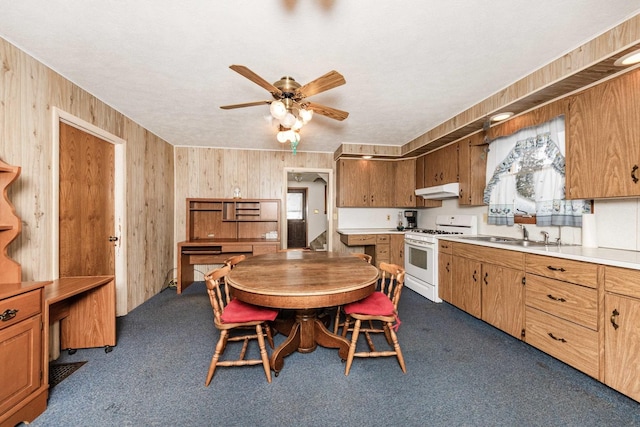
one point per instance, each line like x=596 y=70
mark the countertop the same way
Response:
x=605 y=256
x=347 y=231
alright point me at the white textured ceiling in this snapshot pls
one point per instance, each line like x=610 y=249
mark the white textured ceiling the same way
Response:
x=409 y=65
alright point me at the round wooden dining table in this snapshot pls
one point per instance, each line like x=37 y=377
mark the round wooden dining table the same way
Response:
x=303 y=281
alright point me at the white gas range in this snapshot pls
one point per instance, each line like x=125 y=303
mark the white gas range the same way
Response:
x=421 y=252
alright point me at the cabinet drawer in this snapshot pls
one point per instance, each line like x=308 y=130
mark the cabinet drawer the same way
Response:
x=583 y=273
x=622 y=281
x=573 y=344
x=501 y=257
x=382 y=239
x=25 y=305
x=577 y=304
x=382 y=251
x=358 y=239
x=444 y=246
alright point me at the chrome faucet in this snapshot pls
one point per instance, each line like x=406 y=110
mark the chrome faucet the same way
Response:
x=546 y=237
x=525 y=233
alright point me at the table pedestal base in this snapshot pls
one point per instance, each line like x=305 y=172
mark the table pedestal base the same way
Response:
x=305 y=334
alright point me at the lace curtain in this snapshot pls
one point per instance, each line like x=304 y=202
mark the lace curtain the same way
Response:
x=526 y=175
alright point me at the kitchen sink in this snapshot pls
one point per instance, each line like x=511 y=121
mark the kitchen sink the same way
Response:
x=505 y=240
x=492 y=239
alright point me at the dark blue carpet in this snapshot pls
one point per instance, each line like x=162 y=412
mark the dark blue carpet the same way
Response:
x=460 y=372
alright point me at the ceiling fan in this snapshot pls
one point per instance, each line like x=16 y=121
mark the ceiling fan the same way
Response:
x=292 y=94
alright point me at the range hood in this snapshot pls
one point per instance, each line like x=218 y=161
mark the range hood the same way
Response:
x=439 y=192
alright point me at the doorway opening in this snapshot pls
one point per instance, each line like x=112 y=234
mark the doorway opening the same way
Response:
x=297 y=218
x=308 y=208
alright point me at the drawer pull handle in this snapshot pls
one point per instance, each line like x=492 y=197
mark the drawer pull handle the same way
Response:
x=613 y=319
x=634 y=169
x=486 y=276
x=557 y=339
x=475 y=278
x=552 y=268
x=8 y=314
x=447 y=267
x=556 y=299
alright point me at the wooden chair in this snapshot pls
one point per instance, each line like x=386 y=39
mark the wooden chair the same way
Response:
x=232 y=261
x=337 y=323
x=233 y=315
x=381 y=306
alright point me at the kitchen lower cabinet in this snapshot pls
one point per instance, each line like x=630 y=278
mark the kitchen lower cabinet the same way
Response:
x=584 y=314
x=23 y=391
x=445 y=270
x=622 y=331
x=562 y=311
x=382 y=247
x=502 y=298
x=466 y=292
x=488 y=283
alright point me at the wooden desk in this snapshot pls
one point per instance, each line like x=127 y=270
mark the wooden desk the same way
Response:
x=303 y=281
x=86 y=309
x=210 y=251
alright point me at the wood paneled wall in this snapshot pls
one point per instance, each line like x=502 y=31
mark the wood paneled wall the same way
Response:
x=215 y=172
x=28 y=91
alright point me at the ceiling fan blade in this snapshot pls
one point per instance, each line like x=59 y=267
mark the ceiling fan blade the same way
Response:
x=244 y=71
x=332 y=113
x=328 y=81
x=246 y=104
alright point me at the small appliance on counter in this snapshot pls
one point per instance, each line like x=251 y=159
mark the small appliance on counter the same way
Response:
x=412 y=219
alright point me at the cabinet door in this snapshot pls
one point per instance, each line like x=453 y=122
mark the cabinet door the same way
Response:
x=445 y=276
x=441 y=166
x=502 y=298
x=466 y=289
x=420 y=178
x=21 y=350
x=353 y=183
x=472 y=166
x=622 y=344
x=405 y=183
x=381 y=184
x=396 y=249
x=603 y=149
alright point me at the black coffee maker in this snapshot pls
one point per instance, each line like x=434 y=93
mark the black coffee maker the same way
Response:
x=412 y=219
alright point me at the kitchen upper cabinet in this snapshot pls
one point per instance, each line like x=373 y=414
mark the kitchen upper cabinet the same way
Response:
x=603 y=143
x=472 y=167
x=365 y=183
x=420 y=183
x=405 y=183
x=441 y=166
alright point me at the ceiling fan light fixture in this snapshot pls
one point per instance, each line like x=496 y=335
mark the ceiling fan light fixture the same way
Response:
x=306 y=115
x=288 y=120
x=278 y=110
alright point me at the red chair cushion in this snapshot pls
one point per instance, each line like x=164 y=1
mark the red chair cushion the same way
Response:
x=376 y=304
x=238 y=312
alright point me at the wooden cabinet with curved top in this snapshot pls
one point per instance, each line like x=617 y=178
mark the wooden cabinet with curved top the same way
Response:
x=10 y=225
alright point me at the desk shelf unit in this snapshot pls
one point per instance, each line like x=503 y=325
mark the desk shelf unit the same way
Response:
x=220 y=228
x=209 y=219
